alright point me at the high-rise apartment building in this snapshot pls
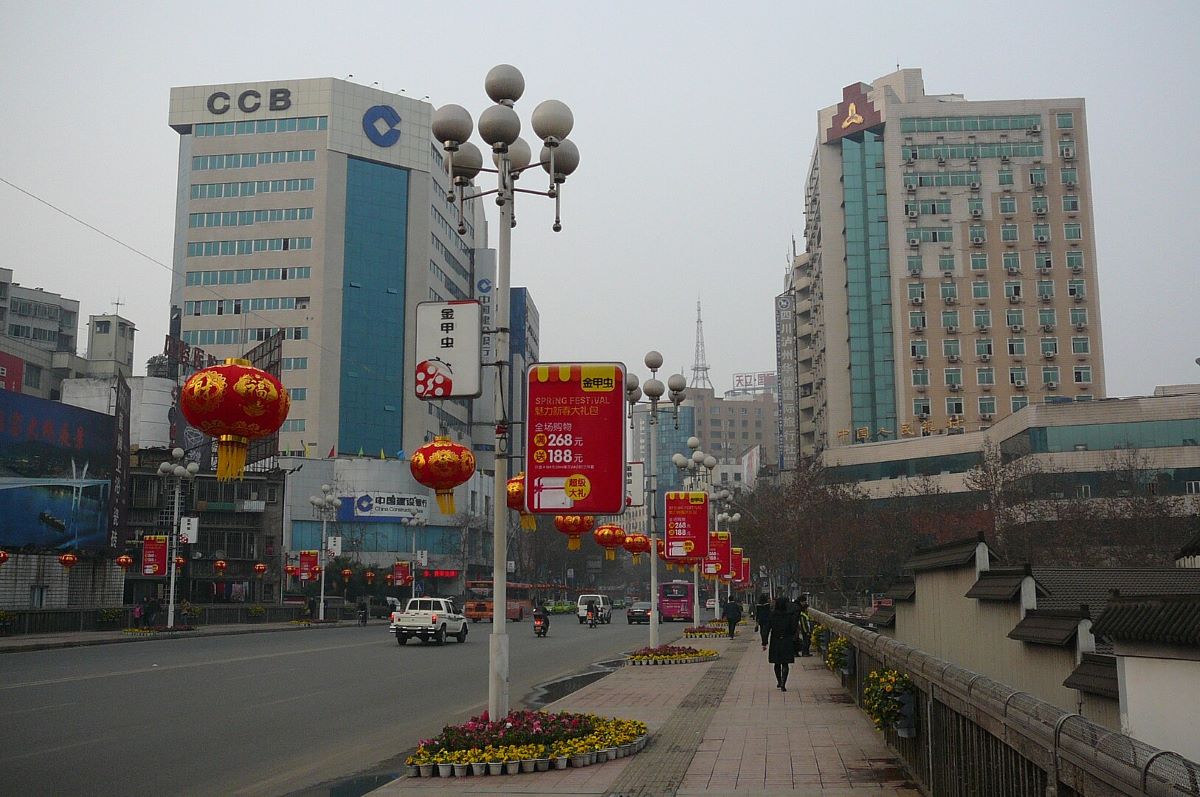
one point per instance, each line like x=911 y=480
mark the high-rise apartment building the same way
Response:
x=951 y=264
x=318 y=207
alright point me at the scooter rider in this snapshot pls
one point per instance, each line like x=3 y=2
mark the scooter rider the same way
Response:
x=540 y=613
x=591 y=614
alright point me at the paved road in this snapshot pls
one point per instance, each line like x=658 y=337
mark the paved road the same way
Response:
x=259 y=714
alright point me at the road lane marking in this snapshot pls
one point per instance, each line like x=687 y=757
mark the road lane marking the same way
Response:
x=38 y=708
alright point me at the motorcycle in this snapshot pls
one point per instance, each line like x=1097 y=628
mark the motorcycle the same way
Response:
x=540 y=627
x=591 y=619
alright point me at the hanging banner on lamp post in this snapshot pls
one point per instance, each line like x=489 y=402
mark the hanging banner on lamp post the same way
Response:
x=449 y=350
x=401 y=574
x=716 y=563
x=154 y=555
x=308 y=565
x=687 y=525
x=575 y=438
x=735 y=565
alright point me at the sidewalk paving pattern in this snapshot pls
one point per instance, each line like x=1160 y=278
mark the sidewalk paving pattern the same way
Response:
x=720 y=728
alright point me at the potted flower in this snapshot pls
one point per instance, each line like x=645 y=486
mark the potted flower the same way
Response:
x=889 y=698
x=109 y=619
x=257 y=612
x=444 y=762
x=837 y=655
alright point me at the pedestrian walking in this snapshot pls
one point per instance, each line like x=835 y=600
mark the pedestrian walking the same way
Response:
x=762 y=618
x=781 y=652
x=804 y=627
x=138 y=611
x=732 y=614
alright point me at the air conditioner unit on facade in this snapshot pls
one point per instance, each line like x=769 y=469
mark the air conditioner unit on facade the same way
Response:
x=976 y=213
x=1047 y=327
x=1080 y=327
x=985 y=416
x=1076 y=269
x=1043 y=269
x=1046 y=298
x=919 y=388
x=1014 y=299
x=1079 y=297
x=918 y=300
x=953 y=358
x=985 y=358
x=1068 y=152
x=1052 y=385
x=1019 y=384
x=1035 y=129
x=975 y=186
x=977 y=241
x=981 y=327
x=1043 y=239
x=912 y=214
x=919 y=358
x=954 y=388
x=914 y=242
x=952 y=329
x=1049 y=355
x=915 y=271
x=951 y=300
x=1070 y=184
x=1016 y=328
x=947 y=275
x=1040 y=211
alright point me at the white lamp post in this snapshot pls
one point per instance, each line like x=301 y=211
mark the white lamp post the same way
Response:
x=696 y=479
x=500 y=127
x=326 y=505
x=178 y=472
x=726 y=518
x=414 y=522
x=654 y=390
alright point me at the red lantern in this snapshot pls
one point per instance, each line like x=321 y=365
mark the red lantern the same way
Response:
x=662 y=554
x=260 y=569
x=573 y=526
x=442 y=465
x=235 y=403
x=125 y=561
x=346 y=573
x=610 y=537
x=516 y=500
x=389 y=578
x=4 y=557
x=292 y=570
x=180 y=562
x=68 y=560
x=220 y=566
x=369 y=576
x=637 y=544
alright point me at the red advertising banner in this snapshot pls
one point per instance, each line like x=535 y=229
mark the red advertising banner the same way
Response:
x=745 y=579
x=735 y=564
x=401 y=574
x=154 y=555
x=687 y=524
x=575 y=438
x=716 y=563
x=308 y=565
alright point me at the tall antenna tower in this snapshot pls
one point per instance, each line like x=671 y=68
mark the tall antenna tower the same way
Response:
x=700 y=363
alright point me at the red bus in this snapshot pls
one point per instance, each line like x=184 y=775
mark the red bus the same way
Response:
x=675 y=601
x=478 y=604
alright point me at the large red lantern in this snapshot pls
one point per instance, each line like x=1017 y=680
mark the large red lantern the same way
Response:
x=220 y=566
x=3 y=557
x=389 y=578
x=68 y=560
x=516 y=500
x=573 y=526
x=637 y=544
x=125 y=561
x=235 y=403
x=369 y=576
x=180 y=562
x=260 y=569
x=292 y=570
x=610 y=537
x=346 y=573
x=442 y=465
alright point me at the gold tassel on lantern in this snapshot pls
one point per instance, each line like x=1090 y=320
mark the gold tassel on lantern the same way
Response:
x=231 y=457
x=573 y=542
x=445 y=501
x=528 y=521
x=637 y=558
x=610 y=554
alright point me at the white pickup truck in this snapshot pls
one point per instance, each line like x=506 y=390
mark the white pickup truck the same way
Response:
x=429 y=619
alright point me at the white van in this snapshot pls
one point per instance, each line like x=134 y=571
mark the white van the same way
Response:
x=603 y=606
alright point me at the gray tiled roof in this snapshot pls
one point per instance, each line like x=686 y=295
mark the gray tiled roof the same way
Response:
x=951 y=554
x=1165 y=619
x=998 y=584
x=1190 y=548
x=1096 y=674
x=884 y=617
x=1066 y=588
x=903 y=589
x=1046 y=627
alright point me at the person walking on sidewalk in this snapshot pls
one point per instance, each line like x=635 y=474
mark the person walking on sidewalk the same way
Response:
x=732 y=614
x=762 y=617
x=804 y=627
x=782 y=625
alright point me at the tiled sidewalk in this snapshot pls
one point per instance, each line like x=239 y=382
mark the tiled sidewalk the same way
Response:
x=808 y=741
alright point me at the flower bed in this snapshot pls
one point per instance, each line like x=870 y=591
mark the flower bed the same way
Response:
x=707 y=631
x=159 y=628
x=525 y=741
x=670 y=654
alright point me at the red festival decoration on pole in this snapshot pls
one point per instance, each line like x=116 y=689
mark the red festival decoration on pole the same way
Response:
x=124 y=561
x=68 y=560
x=3 y=557
x=292 y=570
x=180 y=562
x=235 y=403
x=573 y=526
x=637 y=544
x=308 y=566
x=516 y=500
x=346 y=573
x=687 y=525
x=442 y=465
x=260 y=569
x=610 y=537
x=220 y=566
x=369 y=576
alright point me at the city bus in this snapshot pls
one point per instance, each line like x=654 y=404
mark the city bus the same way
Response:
x=675 y=601
x=478 y=603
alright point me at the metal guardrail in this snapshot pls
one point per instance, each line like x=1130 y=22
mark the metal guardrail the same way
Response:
x=977 y=736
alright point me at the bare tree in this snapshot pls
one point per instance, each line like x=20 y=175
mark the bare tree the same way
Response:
x=1005 y=485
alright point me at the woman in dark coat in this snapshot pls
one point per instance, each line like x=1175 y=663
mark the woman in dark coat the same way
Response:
x=782 y=625
x=762 y=617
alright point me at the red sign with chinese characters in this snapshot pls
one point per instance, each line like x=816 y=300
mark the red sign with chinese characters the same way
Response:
x=716 y=563
x=745 y=579
x=401 y=574
x=154 y=555
x=687 y=525
x=308 y=565
x=735 y=565
x=575 y=438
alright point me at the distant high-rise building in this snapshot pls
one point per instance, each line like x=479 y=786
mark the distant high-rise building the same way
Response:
x=951 y=266
x=523 y=348
x=318 y=207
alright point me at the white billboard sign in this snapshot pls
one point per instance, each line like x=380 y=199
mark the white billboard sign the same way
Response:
x=635 y=484
x=449 y=350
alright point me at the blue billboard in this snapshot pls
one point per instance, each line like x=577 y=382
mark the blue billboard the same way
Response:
x=57 y=463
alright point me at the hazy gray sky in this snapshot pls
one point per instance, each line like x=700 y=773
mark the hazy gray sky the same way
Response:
x=695 y=122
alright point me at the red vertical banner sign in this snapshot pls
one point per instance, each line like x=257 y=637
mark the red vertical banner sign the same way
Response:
x=154 y=555
x=745 y=577
x=575 y=438
x=687 y=525
x=308 y=565
x=716 y=563
x=401 y=574
x=735 y=564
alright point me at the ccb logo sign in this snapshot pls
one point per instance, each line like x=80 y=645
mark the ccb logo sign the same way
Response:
x=381 y=124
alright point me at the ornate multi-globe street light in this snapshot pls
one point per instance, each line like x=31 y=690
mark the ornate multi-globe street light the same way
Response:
x=326 y=506
x=500 y=127
x=176 y=473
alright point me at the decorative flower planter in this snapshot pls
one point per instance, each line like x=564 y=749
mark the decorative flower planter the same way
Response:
x=541 y=764
x=527 y=765
x=610 y=753
x=512 y=767
x=495 y=767
x=478 y=767
x=460 y=770
x=593 y=756
x=445 y=770
x=560 y=762
x=426 y=770
x=581 y=760
x=905 y=731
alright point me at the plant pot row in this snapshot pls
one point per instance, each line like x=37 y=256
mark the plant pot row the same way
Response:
x=478 y=768
x=685 y=660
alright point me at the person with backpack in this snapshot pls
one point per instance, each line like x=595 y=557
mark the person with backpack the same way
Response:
x=804 y=627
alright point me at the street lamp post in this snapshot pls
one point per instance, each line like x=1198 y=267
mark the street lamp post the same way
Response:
x=654 y=389
x=413 y=522
x=723 y=517
x=500 y=127
x=178 y=472
x=697 y=479
x=325 y=505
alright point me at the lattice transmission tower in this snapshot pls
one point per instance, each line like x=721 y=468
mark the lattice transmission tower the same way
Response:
x=700 y=363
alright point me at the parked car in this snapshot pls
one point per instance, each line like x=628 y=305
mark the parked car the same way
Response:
x=618 y=603
x=638 y=613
